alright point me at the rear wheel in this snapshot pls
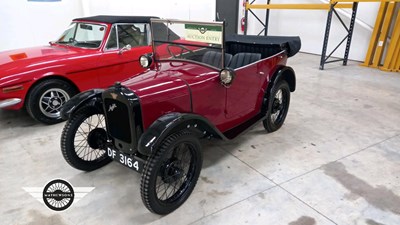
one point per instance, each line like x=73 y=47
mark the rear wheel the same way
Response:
x=84 y=138
x=278 y=106
x=45 y=100
x=171 y=173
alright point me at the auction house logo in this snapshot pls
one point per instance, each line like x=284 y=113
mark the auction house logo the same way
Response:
x=58 y=194
x=202 y=30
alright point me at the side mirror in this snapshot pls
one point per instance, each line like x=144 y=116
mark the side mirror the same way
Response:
x=226 y=76
x=124 y=49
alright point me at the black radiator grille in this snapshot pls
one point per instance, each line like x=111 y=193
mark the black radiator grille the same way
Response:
x=118 y=120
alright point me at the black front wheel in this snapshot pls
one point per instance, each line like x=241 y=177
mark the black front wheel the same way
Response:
x=45 y=100
x=278 y=106
x=84 y=138
x=171 y=173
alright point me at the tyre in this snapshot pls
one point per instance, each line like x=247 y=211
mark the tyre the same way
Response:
x=45 y=99
x=170 y=174
x=83 y=139
x=278 y=106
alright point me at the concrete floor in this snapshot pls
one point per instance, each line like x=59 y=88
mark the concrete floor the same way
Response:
x=336 y=160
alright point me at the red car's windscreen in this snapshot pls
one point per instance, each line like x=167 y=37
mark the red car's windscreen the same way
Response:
x=191 y=41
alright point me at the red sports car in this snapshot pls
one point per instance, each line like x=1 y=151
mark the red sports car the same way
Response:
x=206 y=86
x=93 y=52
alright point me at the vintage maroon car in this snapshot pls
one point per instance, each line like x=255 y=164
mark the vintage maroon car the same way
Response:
x=93 y=52
x=208 y=86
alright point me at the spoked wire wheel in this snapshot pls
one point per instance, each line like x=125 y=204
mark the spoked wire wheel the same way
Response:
x=171 y=173
x=84 y=138
x=278 y=106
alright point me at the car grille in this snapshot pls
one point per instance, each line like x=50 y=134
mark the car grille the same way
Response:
x=117 y=114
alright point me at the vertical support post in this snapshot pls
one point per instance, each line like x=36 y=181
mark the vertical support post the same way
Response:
x=326 y=37
x=246 y=16
x=396 y=59
x=350 y=34
x=383 y=36
x=266 y=20
x=394 y=42
x=375 y=34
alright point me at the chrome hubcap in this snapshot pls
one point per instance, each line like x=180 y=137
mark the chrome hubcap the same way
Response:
x=51 y=102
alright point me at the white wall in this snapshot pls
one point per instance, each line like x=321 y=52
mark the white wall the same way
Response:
x=177 y=9
x=310 y=26
x=25 y=24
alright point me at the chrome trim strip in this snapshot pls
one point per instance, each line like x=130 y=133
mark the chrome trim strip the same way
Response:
x=9 y=102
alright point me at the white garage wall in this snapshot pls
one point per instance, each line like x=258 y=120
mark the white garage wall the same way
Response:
x=178 y=9
x=34 y=23
x=25 y=24
x=310 y=26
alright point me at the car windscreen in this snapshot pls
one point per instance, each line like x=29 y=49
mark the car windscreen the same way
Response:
x=189 y=41
x=85 y=35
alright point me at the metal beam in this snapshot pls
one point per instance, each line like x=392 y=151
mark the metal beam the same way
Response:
x=389 y=62
x=383 y=36
x=350 y=33
x=297 y=6
x=375 y=33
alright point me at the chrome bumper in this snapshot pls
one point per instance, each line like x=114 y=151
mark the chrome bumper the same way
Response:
x=9 y=102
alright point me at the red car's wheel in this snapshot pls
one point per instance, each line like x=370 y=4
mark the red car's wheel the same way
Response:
x=171 y=173
x=45 y=99
x=278 y=106
x=83 y=140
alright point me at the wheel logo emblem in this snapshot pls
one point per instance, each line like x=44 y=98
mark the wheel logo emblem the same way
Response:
x=58 y=195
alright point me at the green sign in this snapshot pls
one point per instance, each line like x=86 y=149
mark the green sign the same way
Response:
x=211 y=34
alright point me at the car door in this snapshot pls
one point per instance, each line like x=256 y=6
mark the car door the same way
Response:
x=119 y=62
x=242 y=95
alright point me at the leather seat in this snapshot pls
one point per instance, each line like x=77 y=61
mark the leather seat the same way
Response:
x=214 y=58
x=243 y=58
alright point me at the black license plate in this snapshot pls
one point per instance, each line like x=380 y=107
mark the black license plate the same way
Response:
x=129 y=161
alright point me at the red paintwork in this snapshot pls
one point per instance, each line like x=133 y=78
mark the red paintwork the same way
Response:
x=168 y=87
x=85 y=68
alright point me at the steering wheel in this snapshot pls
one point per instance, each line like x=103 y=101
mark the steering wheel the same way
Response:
x=180 y=54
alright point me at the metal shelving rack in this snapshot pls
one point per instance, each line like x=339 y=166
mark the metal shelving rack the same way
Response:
x=330 y=7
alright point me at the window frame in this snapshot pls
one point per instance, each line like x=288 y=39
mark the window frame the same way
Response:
x=148 y=33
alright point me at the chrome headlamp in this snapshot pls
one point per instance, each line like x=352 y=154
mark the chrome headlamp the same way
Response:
x=226 y=76
x=145 y=61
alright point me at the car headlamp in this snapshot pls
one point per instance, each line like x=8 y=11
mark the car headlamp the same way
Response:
x=226 y=76
x=145 y=61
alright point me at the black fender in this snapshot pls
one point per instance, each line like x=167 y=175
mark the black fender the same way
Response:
x=173 y=122
x=282 y=73
x=92 y=97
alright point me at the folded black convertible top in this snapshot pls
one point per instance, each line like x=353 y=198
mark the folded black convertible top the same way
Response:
x=291 y=44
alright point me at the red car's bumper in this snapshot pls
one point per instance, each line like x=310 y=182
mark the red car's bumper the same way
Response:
x=11 y=103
